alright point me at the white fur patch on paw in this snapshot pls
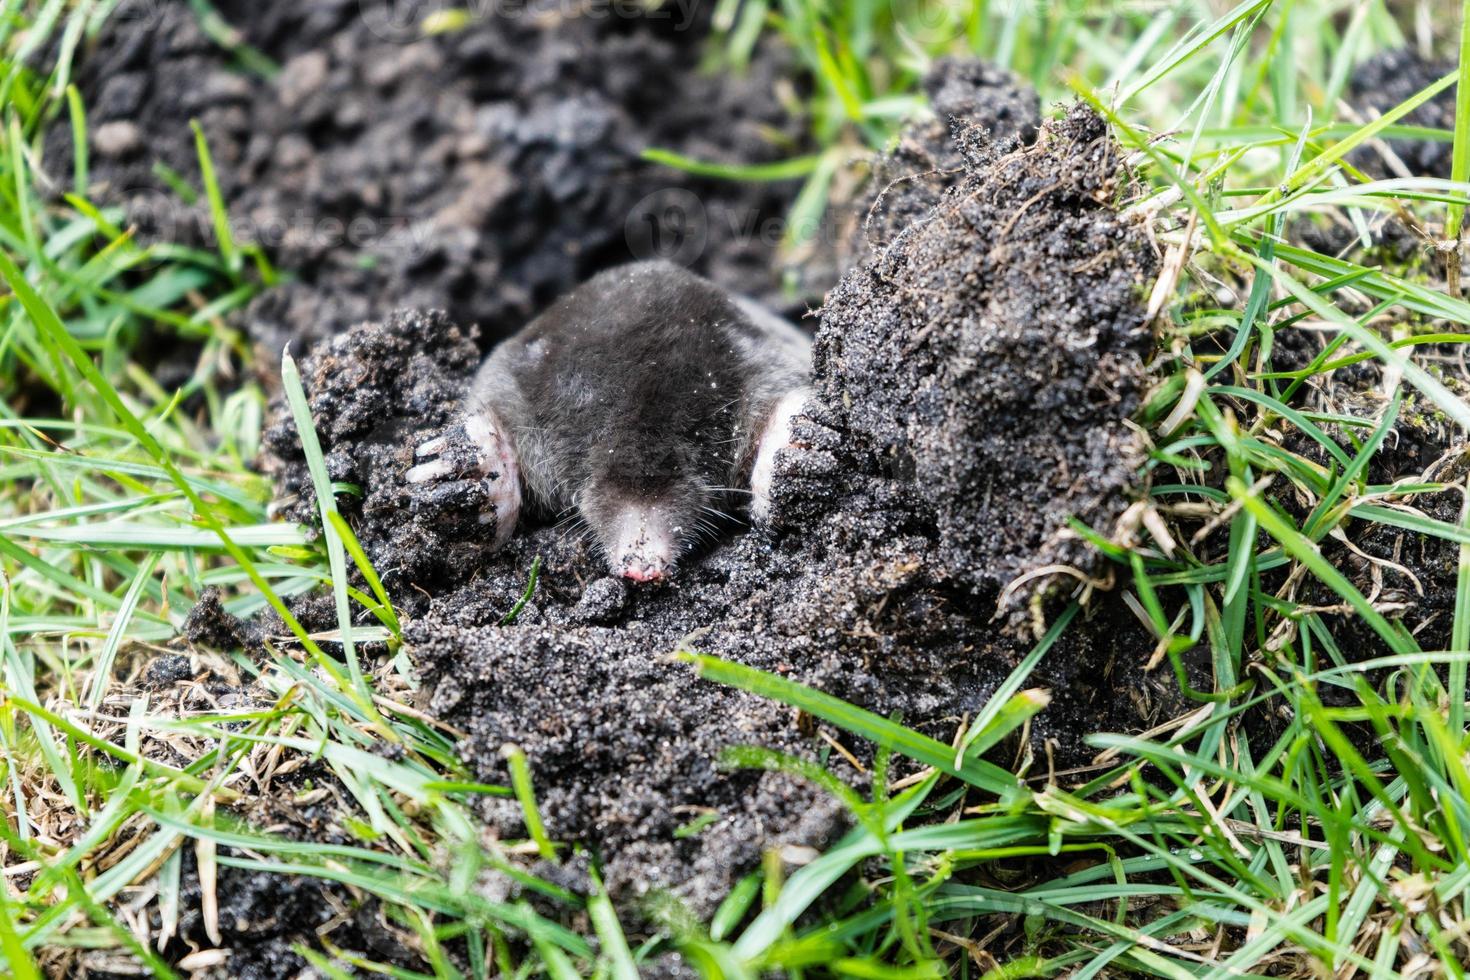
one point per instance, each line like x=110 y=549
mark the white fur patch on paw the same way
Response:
x=476 y=448
x=775 y=436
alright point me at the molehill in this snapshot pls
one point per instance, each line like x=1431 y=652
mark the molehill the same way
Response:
x=973 y=376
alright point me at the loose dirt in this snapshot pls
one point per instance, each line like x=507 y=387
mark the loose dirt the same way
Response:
x=972 y=376
x=1383 y=82
x=484 y=170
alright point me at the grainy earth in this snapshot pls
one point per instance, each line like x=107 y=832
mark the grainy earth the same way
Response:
x=972 y=380
x=1381 y=83
x=484 y=171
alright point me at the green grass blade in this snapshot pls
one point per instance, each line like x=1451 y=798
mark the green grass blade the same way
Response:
x=219 y=213
x=1460 y=160
x=617 y=956
x=1304 y=551
x=520 y=781
x=366 y=569
x=919 y=747
x=326 y=502
x=744 y=172
x=102 y=673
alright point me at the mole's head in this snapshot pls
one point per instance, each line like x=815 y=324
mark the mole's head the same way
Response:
x=647 y=510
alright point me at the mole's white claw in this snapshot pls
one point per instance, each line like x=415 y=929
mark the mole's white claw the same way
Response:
x=432 y=447
x=775 y=436
x=479 y=449
x=422 y=473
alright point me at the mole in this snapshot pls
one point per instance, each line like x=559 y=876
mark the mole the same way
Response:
x=647 y=405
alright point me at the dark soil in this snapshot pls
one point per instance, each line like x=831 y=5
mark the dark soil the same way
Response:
x=985 y=362
x=907 y=182
x=1383 y=82
x=972 y=379
x=374 y=390
x=901 y=186
x=1412 y=576
x=484 y=171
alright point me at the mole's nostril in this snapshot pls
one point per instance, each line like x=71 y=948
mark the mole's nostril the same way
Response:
x=643 y=573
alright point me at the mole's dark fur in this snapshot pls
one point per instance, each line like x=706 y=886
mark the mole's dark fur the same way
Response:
x=646 y=400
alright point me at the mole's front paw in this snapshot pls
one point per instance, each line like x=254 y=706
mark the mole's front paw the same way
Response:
x=774 y=437
x=473 y=466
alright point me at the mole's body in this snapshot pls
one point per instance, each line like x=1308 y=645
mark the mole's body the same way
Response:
x=647 y=400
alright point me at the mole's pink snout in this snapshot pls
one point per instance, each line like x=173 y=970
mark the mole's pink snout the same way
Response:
x=643 y=573
x=641 y=546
